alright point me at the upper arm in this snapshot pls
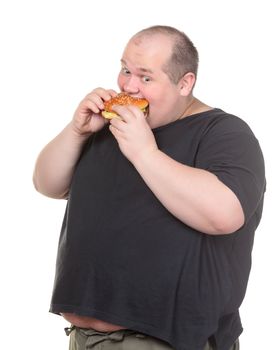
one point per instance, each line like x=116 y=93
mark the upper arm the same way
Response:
x=233 y=154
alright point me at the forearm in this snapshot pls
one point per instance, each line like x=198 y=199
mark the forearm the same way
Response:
x=56 y=162
x=194 y=196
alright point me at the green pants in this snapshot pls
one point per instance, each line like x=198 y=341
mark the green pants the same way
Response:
x=85 y=339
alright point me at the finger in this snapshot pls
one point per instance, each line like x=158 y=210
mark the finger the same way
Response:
x=115 y=132
x=124 y=112
x=94 y=102
x=118 y=124
x=136 y=111
x=104 y=94
x=112 y=93
x=98 y=96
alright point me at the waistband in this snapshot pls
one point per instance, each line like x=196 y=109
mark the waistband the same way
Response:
x=95 y=337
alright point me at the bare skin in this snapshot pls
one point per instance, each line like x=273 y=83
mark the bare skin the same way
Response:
x=90 y=322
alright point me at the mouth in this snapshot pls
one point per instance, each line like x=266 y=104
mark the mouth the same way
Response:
x=146 y=111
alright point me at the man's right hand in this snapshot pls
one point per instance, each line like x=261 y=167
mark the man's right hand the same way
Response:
x=87 y=118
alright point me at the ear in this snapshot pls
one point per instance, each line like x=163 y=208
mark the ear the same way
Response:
x=186 y=84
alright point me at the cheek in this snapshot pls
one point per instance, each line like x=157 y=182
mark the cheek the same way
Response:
x=120 y=81
x=162 y=107
x=156 y=99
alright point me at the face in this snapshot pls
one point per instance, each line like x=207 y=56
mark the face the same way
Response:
x=141 y=75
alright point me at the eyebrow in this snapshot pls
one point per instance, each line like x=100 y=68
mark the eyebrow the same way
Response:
x=142 y=69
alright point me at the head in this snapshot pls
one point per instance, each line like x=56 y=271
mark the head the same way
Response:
x=160 y=64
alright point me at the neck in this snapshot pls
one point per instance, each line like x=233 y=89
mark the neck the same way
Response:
x=194 y=106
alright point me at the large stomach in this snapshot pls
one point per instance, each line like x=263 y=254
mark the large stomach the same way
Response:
x=90 y=322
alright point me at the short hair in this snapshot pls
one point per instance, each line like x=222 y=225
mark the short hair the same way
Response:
x=184 y=57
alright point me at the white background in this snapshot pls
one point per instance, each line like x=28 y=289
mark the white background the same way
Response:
x=54 y=52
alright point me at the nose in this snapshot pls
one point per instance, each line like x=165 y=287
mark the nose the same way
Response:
x=131 y=85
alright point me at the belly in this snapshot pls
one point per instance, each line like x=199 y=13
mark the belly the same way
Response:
x=90 y=322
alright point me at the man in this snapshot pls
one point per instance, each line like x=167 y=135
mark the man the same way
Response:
x=156 y=242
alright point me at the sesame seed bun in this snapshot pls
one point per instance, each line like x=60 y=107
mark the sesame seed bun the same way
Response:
x=123 y=99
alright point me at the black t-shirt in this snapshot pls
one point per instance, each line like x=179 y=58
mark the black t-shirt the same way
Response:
x=124 y=259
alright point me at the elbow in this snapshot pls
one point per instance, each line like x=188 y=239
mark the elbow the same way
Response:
x=226 y=228
x=229 y=223
x=50 y=192
x=229 y=215
x=35 y=183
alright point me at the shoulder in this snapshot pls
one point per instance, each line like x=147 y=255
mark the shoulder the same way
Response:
x=221 y=122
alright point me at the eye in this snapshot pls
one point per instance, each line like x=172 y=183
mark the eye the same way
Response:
x=125 y=71
x=146 y=79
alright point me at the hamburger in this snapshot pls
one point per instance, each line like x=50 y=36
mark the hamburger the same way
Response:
x=123 y=99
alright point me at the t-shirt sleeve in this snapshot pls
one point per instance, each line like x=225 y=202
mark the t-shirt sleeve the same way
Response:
x=230 y=150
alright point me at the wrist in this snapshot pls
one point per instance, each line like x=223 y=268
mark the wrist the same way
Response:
x=75 y=133
x=146 y=158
